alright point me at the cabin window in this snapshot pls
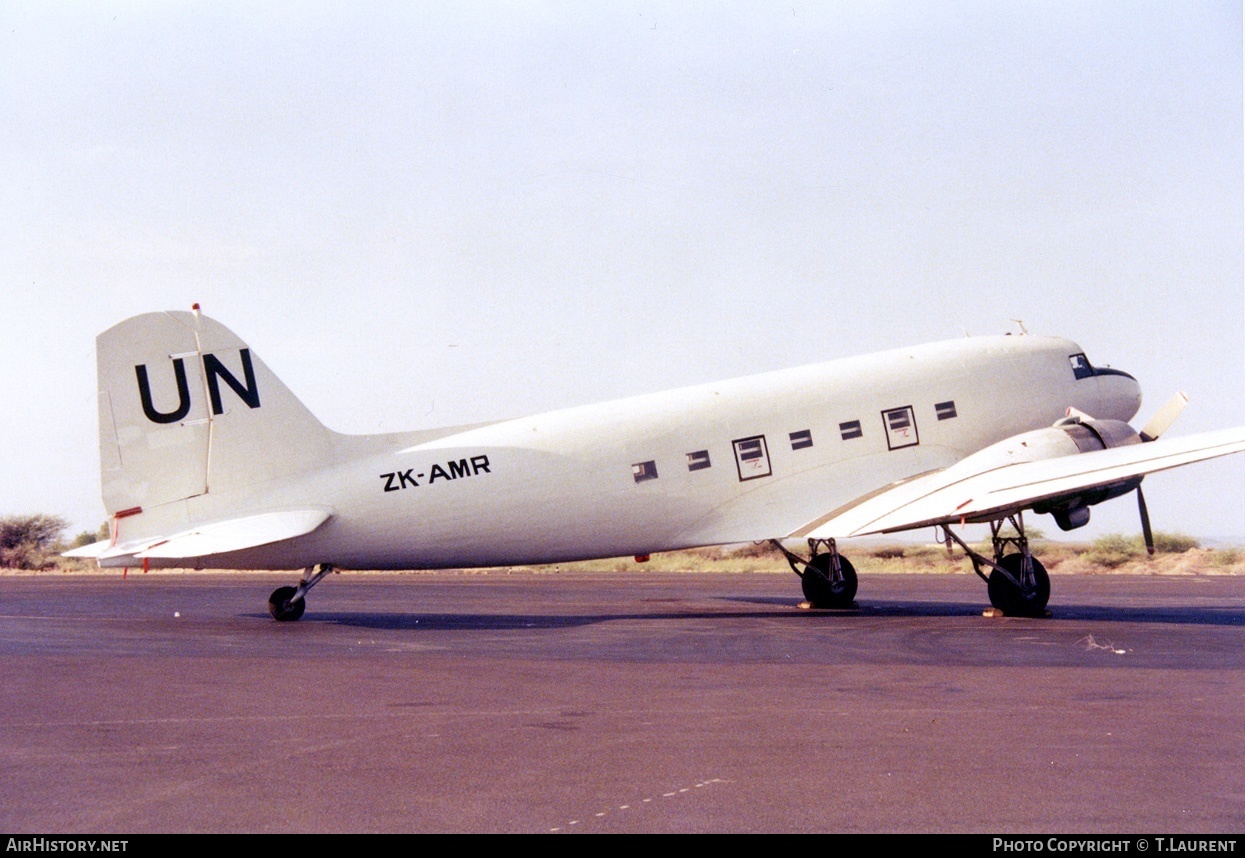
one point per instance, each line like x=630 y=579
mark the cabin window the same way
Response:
x=944 y=410
x=698 y=461
x=801 y=439
x=900 y=427
x=752 y=457
x=644 y=471
x=851 y=429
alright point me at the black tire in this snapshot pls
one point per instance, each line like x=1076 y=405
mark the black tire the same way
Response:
x=1014 y=601
x=282 y=609
x=822 y=592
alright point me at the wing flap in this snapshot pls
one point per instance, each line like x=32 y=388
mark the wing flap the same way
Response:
x=963 y=492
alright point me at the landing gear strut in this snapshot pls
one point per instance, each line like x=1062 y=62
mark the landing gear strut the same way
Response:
x=287 y=604
x=1018 y=584
x=828 y=579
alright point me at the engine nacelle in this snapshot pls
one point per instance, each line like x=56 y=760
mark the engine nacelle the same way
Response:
x=1076 y=433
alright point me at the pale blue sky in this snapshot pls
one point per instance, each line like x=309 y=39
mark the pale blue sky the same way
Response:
x=426 y=214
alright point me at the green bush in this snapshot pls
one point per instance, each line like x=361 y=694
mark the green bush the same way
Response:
x=1114 y=550
x=1174 y=543
x=87 y=537
x=755 y=549
x=1223 y=558
x=29 y=541
x=1032 y=533
x=925 y=555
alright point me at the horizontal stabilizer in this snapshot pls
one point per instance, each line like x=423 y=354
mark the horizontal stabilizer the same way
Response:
x=220 y=537
x=960 y=493
x=95 y=549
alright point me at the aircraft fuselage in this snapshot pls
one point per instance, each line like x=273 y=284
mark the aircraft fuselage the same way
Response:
x=711 y=464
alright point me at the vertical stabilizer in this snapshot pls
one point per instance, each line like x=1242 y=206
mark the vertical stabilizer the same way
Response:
x=187 y=409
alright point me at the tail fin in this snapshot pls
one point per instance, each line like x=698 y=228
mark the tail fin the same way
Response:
x=185 y=409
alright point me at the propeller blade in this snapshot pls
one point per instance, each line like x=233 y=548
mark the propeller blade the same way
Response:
x=1165 y=417
x=1146 y=533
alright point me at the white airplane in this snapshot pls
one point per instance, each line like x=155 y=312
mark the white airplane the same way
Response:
x=209 y=461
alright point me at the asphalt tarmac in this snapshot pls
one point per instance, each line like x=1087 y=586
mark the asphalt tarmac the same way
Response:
x=637 y=702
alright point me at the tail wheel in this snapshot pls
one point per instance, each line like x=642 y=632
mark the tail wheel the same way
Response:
x=1027 y=601
x=819 y=586
x=282 y=609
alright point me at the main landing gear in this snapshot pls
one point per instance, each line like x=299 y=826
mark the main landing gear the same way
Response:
x=1017 y=581
x=1018 y=584
x=828 y=579
x=287 y=604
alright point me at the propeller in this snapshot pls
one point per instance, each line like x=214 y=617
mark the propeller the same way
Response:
x=1164 y=417
x=1159 y=423
x=1146 y=533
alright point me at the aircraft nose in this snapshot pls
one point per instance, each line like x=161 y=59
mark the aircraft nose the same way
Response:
x=1116 y=394
x=1121 y=394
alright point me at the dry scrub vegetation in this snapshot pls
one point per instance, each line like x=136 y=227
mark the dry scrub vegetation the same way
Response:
x=33 y=543
x=1176 y=555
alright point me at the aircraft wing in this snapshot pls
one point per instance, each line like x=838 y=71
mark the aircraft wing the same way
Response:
x=214 y=538
x=965 y=492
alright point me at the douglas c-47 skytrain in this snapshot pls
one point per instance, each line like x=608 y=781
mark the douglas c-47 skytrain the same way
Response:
x=209 y=461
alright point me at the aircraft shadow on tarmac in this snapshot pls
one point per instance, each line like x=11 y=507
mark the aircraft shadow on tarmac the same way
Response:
x=422 y=621
x=509 y=622
x=1177 y=615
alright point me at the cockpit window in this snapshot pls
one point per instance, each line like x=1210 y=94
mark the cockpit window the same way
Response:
x=1081 y=367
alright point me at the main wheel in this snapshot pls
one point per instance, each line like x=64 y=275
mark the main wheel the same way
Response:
x=823 y=592
x=281 y=608
x=1017 y=601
